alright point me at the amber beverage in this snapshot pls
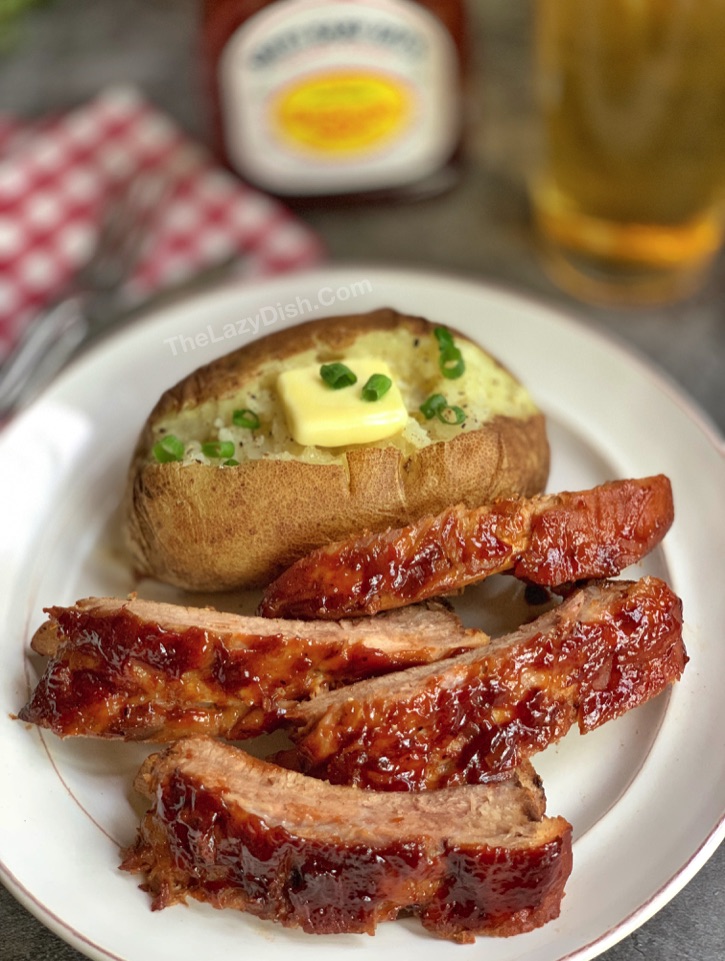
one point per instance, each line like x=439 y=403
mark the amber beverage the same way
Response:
x=628 y=192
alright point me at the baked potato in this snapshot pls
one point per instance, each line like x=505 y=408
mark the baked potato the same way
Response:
x=221 y=496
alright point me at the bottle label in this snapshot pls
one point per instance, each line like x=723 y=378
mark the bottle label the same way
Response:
x=324 y=97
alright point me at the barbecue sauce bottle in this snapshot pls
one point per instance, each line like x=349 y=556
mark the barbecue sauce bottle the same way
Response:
x=348 y=99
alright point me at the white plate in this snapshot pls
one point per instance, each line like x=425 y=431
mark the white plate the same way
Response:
x=646 y=794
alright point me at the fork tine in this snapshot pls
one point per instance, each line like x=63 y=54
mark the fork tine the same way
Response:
x=125 y=224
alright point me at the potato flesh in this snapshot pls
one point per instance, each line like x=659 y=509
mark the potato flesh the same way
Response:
x=483 y=391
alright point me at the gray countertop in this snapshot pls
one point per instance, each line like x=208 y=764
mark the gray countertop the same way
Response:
x=68 y=49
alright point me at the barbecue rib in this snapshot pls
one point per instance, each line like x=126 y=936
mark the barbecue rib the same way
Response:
x=140 y=670
x=552 y=539
x=607 y=648
x=238 y=832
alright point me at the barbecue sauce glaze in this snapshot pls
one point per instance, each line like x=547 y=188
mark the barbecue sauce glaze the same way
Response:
x=193 y=843
x=549 y=540
x=121 y=676
x=484 y=714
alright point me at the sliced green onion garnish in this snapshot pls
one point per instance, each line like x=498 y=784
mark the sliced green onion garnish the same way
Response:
x=376 y=387
x=245 y=418
x=450 y=359
x=430 y=407
x=451 y=363
x=451 y=415
x=232 y=462
x=337 y=375
x=218 y=448
x=168 y=449
x=444 y=338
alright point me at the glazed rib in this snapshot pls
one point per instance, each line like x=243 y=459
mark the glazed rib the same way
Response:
x=140 y=670
x=606 y=649
x=551 y=540
x=238 y=832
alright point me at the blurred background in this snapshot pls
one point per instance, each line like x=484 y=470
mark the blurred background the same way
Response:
x=57 y=54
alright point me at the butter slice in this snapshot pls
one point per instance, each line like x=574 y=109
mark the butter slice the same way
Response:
x=318 y=415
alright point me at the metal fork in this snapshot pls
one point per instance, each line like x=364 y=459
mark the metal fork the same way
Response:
x=91 y=302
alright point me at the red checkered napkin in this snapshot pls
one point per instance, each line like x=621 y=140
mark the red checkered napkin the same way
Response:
x=57 y=174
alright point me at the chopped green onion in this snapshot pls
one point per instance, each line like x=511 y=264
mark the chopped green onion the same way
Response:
x=218 y=448
x=430 y=407
x=444 y=338
x=245 y=418
x=376 y=387
x=451 y=363
x=451 y=415
x=232 y=462
x=168 y=449
x=337 y=375
x=450 y=359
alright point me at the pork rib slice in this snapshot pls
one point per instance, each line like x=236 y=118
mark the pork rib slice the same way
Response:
x=135 y=669
x=239 y=832
x=550 y=540
x=606 y=649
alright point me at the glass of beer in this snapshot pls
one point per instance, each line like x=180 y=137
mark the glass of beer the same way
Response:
x=629 y=190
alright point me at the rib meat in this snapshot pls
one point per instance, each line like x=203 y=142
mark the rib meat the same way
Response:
x=552 y=539
x=140 y=670
x=238 y=832
x=607 y=648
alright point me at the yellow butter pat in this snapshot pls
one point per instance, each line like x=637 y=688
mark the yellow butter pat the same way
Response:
x=319 y=415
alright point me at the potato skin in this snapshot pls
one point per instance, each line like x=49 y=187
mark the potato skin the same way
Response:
x=205 y=528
